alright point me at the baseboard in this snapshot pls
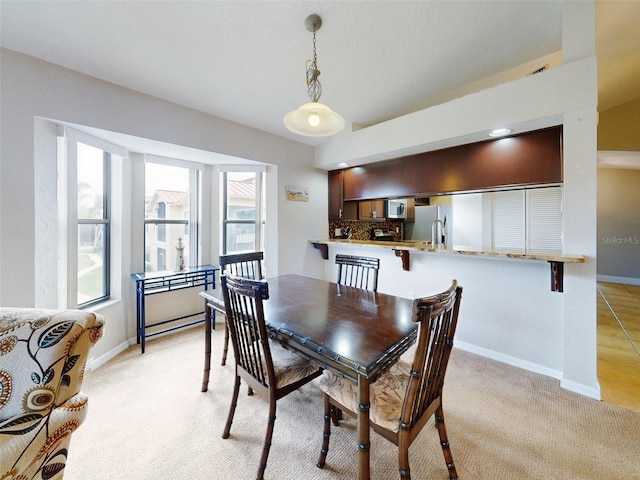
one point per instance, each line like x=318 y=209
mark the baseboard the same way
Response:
x=95 y=363
x=614 y=279
x=509 y=360
x=582 y=389
x=532 y=367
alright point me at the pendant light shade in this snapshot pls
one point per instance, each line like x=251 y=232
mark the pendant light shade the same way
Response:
x=314 y=119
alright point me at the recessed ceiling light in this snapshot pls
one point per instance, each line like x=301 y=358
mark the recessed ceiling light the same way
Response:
x=343 y=164
x=499 y=132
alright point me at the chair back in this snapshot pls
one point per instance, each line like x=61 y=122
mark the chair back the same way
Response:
x=438 y=318
x=245 y=317
x=359 y=272
x=246 y=265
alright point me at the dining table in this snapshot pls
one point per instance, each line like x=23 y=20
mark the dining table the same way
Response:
x=351 y=332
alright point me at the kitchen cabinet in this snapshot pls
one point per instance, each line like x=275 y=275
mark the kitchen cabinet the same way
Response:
x=532 y=158
x=371 y=209
x=336 y=200
x=411 y=210
x=338 y=208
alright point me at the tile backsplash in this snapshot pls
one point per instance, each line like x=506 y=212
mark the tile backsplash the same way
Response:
x=362 y=230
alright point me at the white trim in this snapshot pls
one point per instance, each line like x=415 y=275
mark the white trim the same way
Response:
x=95 y=363
x=575 y=387
x=174 y=162
x=582 y=389
x=509 y=360
x=614 y=279
x=76 y=135
x=242 y=168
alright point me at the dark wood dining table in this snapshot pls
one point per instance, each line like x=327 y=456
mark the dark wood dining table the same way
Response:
x=352 y=332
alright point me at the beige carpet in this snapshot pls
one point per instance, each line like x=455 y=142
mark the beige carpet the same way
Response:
x=148 y=420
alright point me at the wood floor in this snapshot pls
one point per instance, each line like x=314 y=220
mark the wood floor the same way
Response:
x=619 y=344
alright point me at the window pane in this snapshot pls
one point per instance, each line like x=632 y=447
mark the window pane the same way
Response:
x=240 y=214
x=91 y=262
x=241 y=237
x=241 y=196
x=163 y=254
x=167 y=191
x=90 y=182
x=167 y=198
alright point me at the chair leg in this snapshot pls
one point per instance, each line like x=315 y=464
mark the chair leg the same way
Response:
x=232 y=408
x=267 y=440
x=210 y=317
x=328 y=410
x=444 y=443
x=225 y=349
x=403 y=458
x=336 y=416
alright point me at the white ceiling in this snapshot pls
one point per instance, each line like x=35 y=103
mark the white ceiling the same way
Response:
x=245 y=60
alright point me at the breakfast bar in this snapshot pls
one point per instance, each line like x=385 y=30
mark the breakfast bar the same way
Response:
x=405 y=248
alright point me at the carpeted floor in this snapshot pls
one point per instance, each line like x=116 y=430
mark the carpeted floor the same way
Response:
x=148 y=420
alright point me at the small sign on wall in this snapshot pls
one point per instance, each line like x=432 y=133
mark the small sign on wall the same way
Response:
x=296 y=193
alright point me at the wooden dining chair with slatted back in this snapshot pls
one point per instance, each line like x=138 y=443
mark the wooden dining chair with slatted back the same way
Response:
x=245 y=265
x=268 y=368
x=407 y=395
x=359 y=272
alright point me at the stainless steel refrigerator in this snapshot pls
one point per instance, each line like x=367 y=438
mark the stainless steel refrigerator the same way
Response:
x=421 y=227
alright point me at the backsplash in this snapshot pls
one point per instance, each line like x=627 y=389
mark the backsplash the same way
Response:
x=362 y=230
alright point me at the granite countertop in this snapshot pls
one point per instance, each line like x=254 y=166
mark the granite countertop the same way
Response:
x=422 y=246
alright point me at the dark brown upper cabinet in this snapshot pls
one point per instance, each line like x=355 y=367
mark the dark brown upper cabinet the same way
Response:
x=532 y=158
x=336 y=207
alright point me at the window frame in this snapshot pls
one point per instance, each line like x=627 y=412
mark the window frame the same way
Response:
x=106 y=222
x=69 y=220
x=191 y=224
x=260 y=201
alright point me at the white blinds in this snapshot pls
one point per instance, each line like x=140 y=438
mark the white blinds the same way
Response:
x=508 y=220
x=544 y=214
x=529 y=220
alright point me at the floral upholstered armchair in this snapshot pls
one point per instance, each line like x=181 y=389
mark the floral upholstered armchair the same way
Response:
x=43 y=354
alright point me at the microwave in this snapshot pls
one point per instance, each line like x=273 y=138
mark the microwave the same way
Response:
x=397 y=208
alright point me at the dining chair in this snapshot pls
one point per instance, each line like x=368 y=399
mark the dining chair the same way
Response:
x=407 y=395
x=359 y=272
x=246 y=265
x=268 y=368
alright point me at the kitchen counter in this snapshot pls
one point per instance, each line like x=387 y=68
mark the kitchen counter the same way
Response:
x=425 y=247
x=404 y=248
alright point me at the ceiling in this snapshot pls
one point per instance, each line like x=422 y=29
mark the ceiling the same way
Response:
x=245 y=60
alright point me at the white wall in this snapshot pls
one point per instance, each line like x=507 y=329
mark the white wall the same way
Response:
x=619 y=225
x=496 y=319
x=33 y=90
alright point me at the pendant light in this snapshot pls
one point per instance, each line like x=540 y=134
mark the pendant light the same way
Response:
x=314 y=119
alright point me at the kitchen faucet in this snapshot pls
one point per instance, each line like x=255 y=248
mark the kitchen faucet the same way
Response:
x=437 y=234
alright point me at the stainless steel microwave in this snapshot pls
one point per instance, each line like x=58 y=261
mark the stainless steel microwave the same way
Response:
x=397 y=208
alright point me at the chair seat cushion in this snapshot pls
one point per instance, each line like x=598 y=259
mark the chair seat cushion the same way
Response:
x=386 y=394
x=407 y=357
x=289 y=366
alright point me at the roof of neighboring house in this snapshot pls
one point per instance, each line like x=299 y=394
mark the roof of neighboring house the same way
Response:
x=169 y=196
x=242 y=188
